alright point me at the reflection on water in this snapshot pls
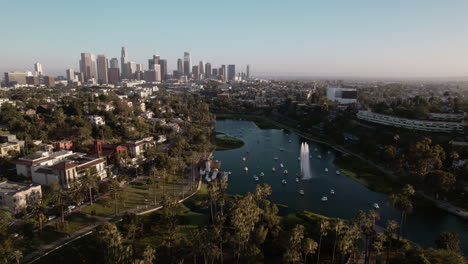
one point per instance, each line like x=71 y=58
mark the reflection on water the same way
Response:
x=263 y=146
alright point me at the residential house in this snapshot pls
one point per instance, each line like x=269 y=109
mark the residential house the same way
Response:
x=63 y=144
x=138 y=148
x=7 y=148
x=17 y=196
x=96 y=120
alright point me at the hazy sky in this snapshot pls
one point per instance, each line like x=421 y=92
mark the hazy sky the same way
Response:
x=359 y=38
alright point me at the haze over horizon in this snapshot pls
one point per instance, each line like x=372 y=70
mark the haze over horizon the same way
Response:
x=364 y=39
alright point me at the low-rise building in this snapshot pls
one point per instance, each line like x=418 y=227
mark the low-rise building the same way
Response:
x=63 y=166
x=96 y=120
x=63 y=144
x=138 y=148
x=342 y=95
x=6 y=149
x=17 y=196
x=415 y=124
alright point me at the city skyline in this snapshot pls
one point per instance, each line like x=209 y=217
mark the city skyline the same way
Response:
x=405 y=39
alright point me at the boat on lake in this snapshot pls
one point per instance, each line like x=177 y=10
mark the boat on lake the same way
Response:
x=332 y=192
x=285 y=172
x=301 y=192
x=324 y=199
x=246 y=169
x=262 y=174
x=284 y=182
x=376 y=206
x=326 y=169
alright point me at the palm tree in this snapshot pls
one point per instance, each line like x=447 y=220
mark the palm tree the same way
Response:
x=115 y=192
x=309 y=246
x=154 y=182
x=372 y=217
x=89 y=181
x=324 y=226
x=338 y=228
x=38 y=209
x=390 y=229
x=17 y=256
x=59 y=199
x=77 y=194
x=378 y=244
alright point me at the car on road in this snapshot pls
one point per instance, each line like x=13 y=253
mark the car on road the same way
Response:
x=71 y=207
x=51 y=217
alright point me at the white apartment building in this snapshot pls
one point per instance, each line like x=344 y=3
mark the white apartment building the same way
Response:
x=342 y=95
x=17 y=196
x=423 y=125
x=64 y=166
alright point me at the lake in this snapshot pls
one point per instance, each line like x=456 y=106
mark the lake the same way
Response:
x=262 y=145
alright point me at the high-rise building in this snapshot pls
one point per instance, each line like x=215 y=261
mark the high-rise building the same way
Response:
x=187 y=64
x=208 y=70
x=180 y=67
x=38 y=69
x=231 y=74
x=215 y=73
x=80 y=76
x=114 y=63
x=32 y=80
x=49 y=81
x=201 y=67
x=163 y=64
x=131 y=69
x=248 y=71
x=195 y=73
x=153 y=75
x=124 y=63
x=70 y=75
x=114 y=75
x=139 y=67
x=87 y=67
x=12 y=78
x=102 y=69
x=223 y=74
x=153 y=61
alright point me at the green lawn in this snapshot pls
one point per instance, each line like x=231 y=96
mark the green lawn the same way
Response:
x=138 y=195
x=226 y=143
x=366 y=174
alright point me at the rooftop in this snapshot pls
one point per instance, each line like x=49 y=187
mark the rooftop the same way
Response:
x=14 y=187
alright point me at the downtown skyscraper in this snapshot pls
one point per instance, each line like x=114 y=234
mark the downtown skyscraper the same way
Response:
x=88 y=66
x=231 y=73
x=114 y=63
x=124 y=63
x=187 y=64
x=180 y=67
x=208 y=70
x=102 y=67
x=38 y=69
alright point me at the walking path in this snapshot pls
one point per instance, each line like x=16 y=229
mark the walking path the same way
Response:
x=45 y=250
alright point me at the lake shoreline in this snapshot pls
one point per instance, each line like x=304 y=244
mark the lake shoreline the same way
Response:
x=450 y=209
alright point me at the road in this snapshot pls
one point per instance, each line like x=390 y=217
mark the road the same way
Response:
x=44 y=250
